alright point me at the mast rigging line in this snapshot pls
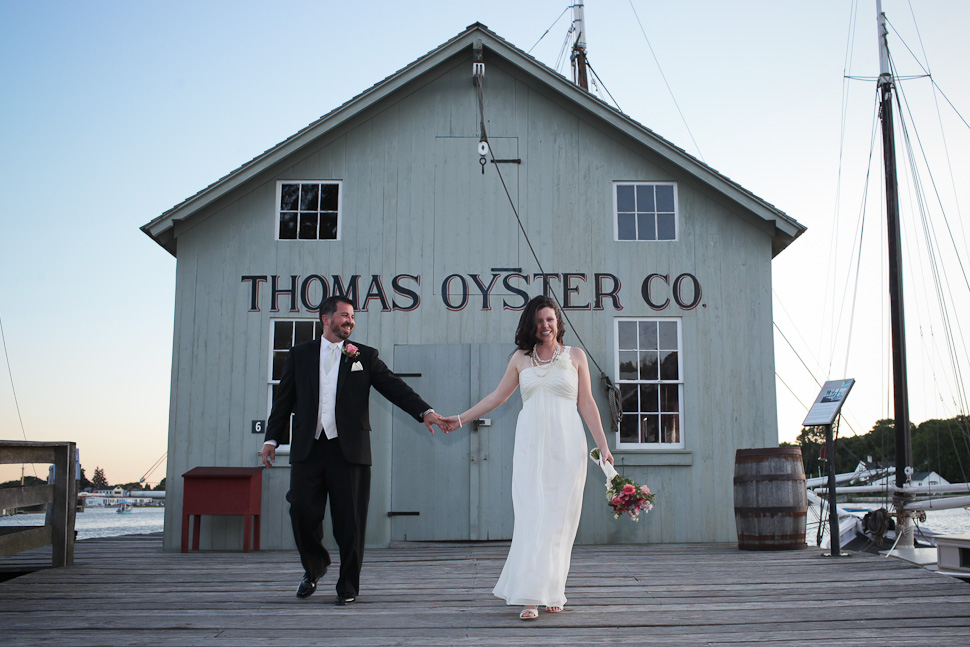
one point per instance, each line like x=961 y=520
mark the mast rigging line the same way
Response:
x=13 y=388
x=940 y=284
x=598 y=78
x=546 y=32
x=153 y=467
x=612 y=391
x=667 y=83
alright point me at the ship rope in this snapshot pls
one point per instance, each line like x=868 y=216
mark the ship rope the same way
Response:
x=612 y=391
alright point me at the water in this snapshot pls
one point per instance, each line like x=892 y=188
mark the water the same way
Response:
x=102 y=522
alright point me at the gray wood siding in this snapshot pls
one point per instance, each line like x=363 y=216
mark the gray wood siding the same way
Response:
x=414 y=201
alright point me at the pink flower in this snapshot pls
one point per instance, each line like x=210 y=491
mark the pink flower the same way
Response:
x=351 y=351
x=645 y=489
x=629 y=489
x=617 y=501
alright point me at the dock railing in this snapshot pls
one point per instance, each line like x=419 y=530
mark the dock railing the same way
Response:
x=58 y=531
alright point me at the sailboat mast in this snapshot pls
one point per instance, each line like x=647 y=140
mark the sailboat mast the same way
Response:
x=579 y=47
x=904 y=452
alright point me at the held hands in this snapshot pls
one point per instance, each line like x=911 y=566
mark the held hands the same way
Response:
x=452 y=423
x=434 y=419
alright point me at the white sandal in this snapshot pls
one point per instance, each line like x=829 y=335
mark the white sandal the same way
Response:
x=554 y=609
x=529 y=613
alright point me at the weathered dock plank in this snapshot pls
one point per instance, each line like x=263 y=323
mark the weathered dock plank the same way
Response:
x=128 y=591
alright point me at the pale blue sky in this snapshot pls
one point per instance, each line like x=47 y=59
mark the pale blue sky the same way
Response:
x=113 y=112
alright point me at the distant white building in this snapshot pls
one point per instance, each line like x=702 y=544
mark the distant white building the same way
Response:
x=920 y=479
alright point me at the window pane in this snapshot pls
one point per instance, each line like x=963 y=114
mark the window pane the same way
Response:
x=279 y=357
x=666 y=226
x=282 y=335
x=627 y=331
x=646 y=226
x=648 y=335
x=628 y=365
x=649 y=348
x=670 y=398
x=648 y=364
x=670 y=428
x=645 y=197
x=630 y=428
x=648 y=398
x=328 y=196
x=288 y=226
x=303 y=332
x=665 y=198
x=308 y=226
x=628 y=396
x=668 y=365
x=650 y=429
x=626 y=226
x=624 y=198
x=289 y=197
x=309 y=197
x=328 y=226
x=668 y=335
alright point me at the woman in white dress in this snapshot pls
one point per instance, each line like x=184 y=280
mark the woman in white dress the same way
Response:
x=549 y=460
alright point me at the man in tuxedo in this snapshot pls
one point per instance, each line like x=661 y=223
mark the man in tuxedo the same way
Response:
x=326 y=384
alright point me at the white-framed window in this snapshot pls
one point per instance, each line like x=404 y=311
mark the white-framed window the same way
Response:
x=645 y=210
x=308 y=209
x=283 y=335
x=650 y=375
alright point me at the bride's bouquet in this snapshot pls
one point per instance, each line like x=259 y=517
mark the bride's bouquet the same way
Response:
x=625 y=496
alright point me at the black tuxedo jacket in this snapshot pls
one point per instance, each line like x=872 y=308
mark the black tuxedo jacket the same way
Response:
x=299 y=393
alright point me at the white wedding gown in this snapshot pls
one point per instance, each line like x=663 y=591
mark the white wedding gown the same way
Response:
x=548 y=476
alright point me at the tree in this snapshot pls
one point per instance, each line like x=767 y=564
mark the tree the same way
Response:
x=941 y=446
x=161 y=485
x=28 y=480
x=83 y=482
x=99 y=479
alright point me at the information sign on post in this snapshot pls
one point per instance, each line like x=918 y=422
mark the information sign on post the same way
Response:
x=828 y=403
x=823 y=414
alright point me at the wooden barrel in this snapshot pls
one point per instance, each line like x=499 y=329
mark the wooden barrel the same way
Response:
x=770 y=500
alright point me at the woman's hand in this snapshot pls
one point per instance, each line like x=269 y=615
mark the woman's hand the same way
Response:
x=606 y=455
x=450 y=424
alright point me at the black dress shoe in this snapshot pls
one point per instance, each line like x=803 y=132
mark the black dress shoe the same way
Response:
x=308 y=586
x=344 y=600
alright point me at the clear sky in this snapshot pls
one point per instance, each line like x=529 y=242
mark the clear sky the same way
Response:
x=113 y=112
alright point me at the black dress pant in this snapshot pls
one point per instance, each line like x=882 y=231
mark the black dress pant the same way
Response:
x=326 y=474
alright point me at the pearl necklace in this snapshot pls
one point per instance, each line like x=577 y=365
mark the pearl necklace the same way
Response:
x=537 y=362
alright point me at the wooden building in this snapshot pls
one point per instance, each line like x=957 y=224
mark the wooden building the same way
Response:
x=662 y=265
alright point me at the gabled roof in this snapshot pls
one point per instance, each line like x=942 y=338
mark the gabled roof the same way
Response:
x=162 y=228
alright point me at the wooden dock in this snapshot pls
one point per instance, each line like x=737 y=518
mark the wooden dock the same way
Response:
x=128 y=591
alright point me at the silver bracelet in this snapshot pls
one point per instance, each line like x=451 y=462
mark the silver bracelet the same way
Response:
x=459 y=422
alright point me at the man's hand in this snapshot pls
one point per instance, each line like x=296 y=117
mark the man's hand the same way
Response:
x=268 y=454
x=434 y=419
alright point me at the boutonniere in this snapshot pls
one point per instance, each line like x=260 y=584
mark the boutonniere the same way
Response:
x=350 y=351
